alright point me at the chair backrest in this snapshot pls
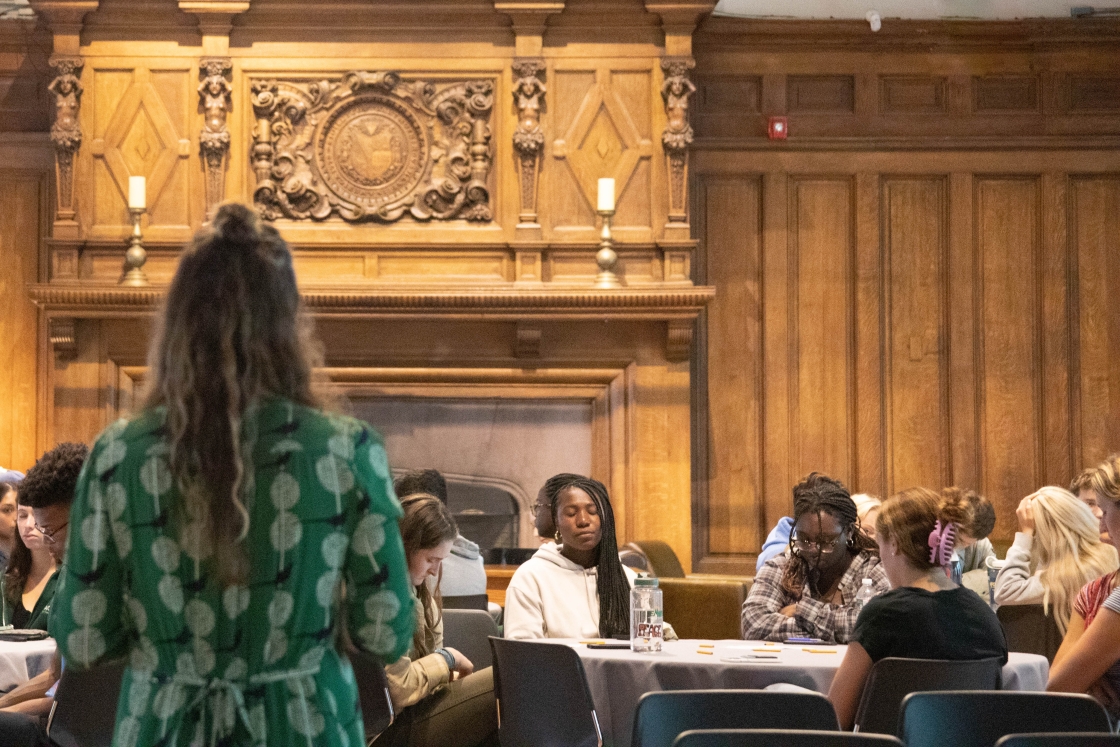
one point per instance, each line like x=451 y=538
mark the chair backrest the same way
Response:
x=373 y=694
x=663 y=716
x=85 y=706
x=662 y=561
x=892 y=679
x=704 y=608
x=543 y=698
x=1068 y=739
x=1030 y=630
x=781 y=738
x=979 y=719
x=466 y=602
x=469 y=631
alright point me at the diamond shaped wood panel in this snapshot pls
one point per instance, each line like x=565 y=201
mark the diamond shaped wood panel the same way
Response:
x=605 y=139
x=142 y=136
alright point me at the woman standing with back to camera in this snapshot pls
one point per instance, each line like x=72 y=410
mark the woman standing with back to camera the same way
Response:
x=224 y=519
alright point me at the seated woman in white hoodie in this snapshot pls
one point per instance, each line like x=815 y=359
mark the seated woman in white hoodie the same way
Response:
x=1057 y=550
x=576 y=588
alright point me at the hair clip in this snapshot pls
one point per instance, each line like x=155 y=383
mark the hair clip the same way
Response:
x=941 y=542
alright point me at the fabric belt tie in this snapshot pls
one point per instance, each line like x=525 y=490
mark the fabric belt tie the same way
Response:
x=214 y=686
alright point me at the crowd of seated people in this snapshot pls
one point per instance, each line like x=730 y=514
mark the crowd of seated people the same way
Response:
x=233 y=580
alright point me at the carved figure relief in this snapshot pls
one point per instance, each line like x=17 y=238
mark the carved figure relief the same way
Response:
x=676 y=91
x=215 y=101
x=66 y=132
x=372 y=146
x=528 y=139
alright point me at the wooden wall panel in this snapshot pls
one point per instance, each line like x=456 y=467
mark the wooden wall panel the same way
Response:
x=822 y=243
x=734 y=383
x=915 y=244
x=22 y=196
x=1095 y=228
x=1007 y=245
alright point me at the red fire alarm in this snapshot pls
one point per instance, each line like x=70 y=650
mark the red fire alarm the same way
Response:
x=779 y=128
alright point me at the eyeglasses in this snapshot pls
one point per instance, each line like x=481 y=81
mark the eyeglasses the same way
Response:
x=48 y=537
x=823 y=547
x=538 y=506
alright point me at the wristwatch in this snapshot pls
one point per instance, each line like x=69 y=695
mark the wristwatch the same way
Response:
x=447 y=657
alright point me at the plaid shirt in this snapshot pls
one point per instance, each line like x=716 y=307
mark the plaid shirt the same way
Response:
x=763 y=621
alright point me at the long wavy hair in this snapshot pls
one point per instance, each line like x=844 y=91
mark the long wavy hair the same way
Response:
x=231 y=332
x=613 y=586
x=426 y=524
x=818 y=494
x=1069 y=549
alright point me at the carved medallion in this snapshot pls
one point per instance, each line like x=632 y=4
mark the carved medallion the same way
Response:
x=372 y=147
x=371 y=151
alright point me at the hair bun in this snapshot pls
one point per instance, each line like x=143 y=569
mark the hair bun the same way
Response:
x=237 y=224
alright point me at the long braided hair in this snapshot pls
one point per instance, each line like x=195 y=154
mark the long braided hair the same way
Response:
x=613 y=586
x=232 y=331
x=819 y=494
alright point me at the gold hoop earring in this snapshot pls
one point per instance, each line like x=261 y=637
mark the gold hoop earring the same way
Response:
x=559 y=540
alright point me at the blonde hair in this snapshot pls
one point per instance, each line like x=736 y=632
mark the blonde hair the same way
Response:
x=231 y=332
x=865 y=504
x=1105 y=480
x=1069 y=549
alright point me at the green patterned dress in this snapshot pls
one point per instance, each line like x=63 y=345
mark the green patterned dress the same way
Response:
x=243 y=665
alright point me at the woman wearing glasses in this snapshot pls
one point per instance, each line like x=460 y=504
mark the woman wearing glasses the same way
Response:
x=811 y=593
x=27 y=586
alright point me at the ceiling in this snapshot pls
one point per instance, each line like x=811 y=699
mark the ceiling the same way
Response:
x=921 y=9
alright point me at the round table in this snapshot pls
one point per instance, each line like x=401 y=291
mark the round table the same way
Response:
x=21 y=661
x=618 y=677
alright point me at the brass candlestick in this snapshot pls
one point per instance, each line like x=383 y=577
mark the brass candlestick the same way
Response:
x=607 y=257
x=136 y=255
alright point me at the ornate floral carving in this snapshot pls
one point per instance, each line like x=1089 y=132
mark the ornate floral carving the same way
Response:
x=676 y=91
x=215 y=101
x=66 y=132
x=372 y=146
x=528 y=138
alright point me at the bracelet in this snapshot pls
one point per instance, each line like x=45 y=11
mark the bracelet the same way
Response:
x=447 y=657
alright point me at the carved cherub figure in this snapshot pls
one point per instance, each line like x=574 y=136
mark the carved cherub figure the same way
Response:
x=528 y=90
x=215 y=93
x=67 y=90
x=676 y=91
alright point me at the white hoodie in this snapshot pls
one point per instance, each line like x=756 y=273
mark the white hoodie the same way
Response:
x=549 y=596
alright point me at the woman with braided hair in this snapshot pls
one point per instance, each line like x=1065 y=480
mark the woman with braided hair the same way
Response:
x=925 y=616
x=811 y=592
x=576 y=588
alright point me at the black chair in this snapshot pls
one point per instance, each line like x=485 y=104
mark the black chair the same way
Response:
x=466 y=602
x=469 y=632
x=84 y=713
x=781 y=738
x=892 y=679
x=662 y=716
x=1030 y=630
x=373 y=694
x=979 y=719
x=543 y=698
x=1068 y=739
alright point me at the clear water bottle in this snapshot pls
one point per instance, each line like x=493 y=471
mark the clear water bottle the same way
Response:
x=865 y=594
x=956 y=570
x=646 y=616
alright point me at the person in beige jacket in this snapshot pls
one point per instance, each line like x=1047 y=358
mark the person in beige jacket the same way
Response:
x=441 y=701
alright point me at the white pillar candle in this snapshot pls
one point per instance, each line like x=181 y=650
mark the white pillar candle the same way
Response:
x=137 y=193
x=606 y=194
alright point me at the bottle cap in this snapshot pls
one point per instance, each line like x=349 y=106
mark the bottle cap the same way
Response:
x=645 y=581
x=867 y=582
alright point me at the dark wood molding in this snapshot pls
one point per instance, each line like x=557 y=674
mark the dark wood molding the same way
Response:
x=722 y=33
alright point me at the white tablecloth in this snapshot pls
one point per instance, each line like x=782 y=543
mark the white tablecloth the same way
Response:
x=19 y=662
x=618 y=678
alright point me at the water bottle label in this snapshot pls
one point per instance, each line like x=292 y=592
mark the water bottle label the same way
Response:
x=649 y=630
